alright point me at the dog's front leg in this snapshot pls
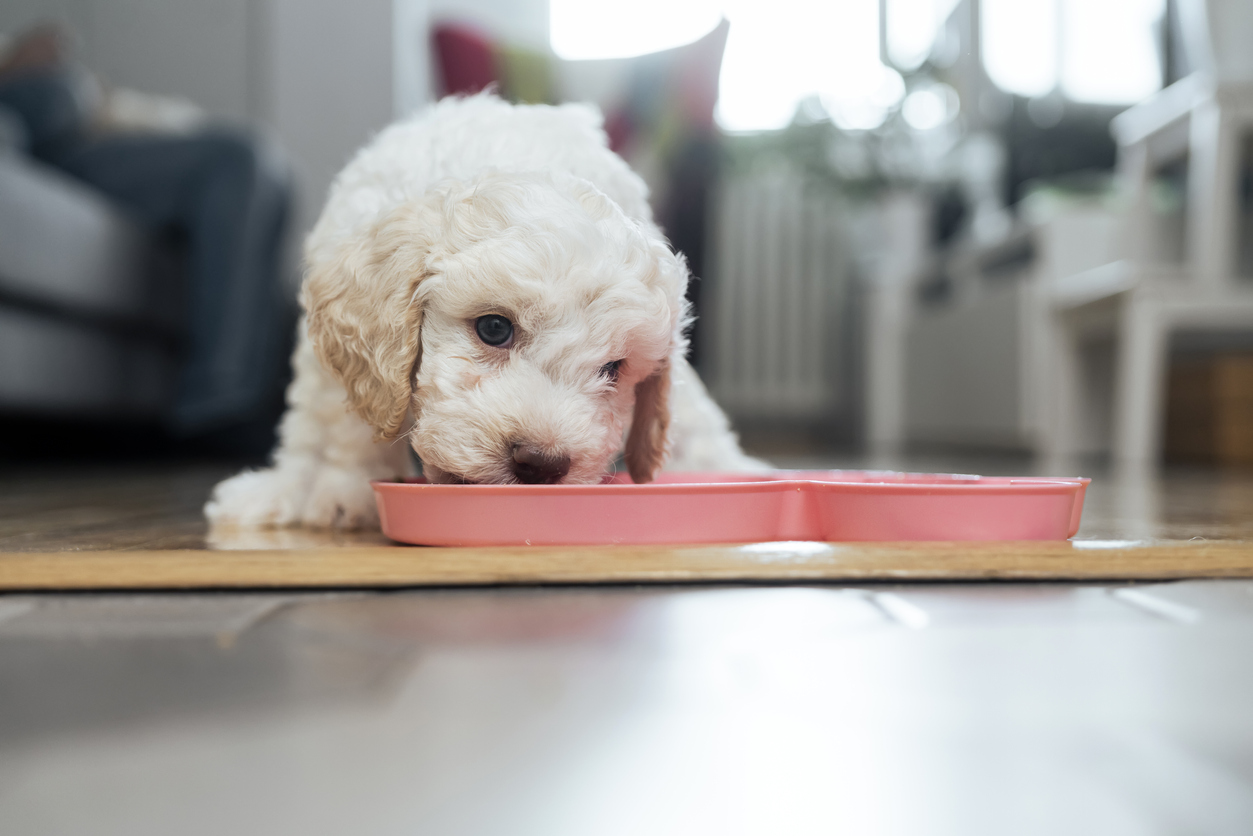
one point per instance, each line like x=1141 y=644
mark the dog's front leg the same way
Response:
x=702 y=438
x=322 y=468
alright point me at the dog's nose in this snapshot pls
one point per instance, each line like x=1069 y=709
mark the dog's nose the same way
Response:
x=534 y=466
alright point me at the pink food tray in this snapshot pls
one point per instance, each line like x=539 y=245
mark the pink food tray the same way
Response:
x=830 y=505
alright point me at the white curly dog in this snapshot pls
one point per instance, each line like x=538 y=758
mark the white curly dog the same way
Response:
x=485 y=282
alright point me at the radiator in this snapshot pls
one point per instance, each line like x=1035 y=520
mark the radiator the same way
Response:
x=776 y=298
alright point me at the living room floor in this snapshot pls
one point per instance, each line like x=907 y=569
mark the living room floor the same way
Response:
x=960 y=707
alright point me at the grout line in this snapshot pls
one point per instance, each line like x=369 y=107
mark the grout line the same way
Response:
x=1159 y=607
x=901 y=611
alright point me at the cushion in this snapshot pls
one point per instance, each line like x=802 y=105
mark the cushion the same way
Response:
x=470 y=61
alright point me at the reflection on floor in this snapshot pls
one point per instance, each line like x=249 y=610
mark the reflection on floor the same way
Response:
x=948 y=709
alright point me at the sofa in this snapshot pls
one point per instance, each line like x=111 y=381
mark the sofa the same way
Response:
x=89 y=302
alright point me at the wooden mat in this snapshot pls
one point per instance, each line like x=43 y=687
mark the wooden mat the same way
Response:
x=383 y=566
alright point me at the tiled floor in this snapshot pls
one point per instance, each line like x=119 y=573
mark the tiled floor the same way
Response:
x=909 y=710
x=906 y=709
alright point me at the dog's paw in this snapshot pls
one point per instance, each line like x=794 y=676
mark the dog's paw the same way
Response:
x=340 y=498
x=315 y=495
x=270 y=498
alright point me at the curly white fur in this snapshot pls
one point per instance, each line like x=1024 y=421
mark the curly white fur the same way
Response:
x=476 y=208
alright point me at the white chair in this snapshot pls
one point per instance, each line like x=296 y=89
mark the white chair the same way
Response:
x=1139 y=302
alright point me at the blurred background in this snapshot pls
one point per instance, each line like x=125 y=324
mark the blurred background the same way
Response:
x=986 y=225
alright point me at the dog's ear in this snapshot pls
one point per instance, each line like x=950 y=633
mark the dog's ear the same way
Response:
x=648 y=443
x=363 y=315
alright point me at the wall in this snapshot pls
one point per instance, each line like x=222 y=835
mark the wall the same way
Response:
x=317 y=75
x=328 y=84
x=200 y=50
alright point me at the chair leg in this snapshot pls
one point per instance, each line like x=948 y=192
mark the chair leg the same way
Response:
x=1213 y=195
x=885 y=370
x=1061 y=403
x=1140 y=369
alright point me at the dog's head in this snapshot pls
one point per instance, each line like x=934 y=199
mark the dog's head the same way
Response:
x=523 y=320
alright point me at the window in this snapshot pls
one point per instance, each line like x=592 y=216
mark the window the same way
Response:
x=1101 y=51
x=590 y=29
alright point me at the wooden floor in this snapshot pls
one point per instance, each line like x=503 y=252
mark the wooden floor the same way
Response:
x=142 y=528
x=834 y=699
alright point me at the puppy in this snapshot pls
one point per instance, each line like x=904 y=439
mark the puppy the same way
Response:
x=486 y=286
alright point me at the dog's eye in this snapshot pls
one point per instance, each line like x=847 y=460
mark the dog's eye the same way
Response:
x=610 y=370
x=494 y=329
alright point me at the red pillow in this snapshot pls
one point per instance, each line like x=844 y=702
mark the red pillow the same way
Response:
x=467 y=59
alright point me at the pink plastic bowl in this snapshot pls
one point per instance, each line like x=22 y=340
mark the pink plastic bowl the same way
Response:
x=734 y=508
